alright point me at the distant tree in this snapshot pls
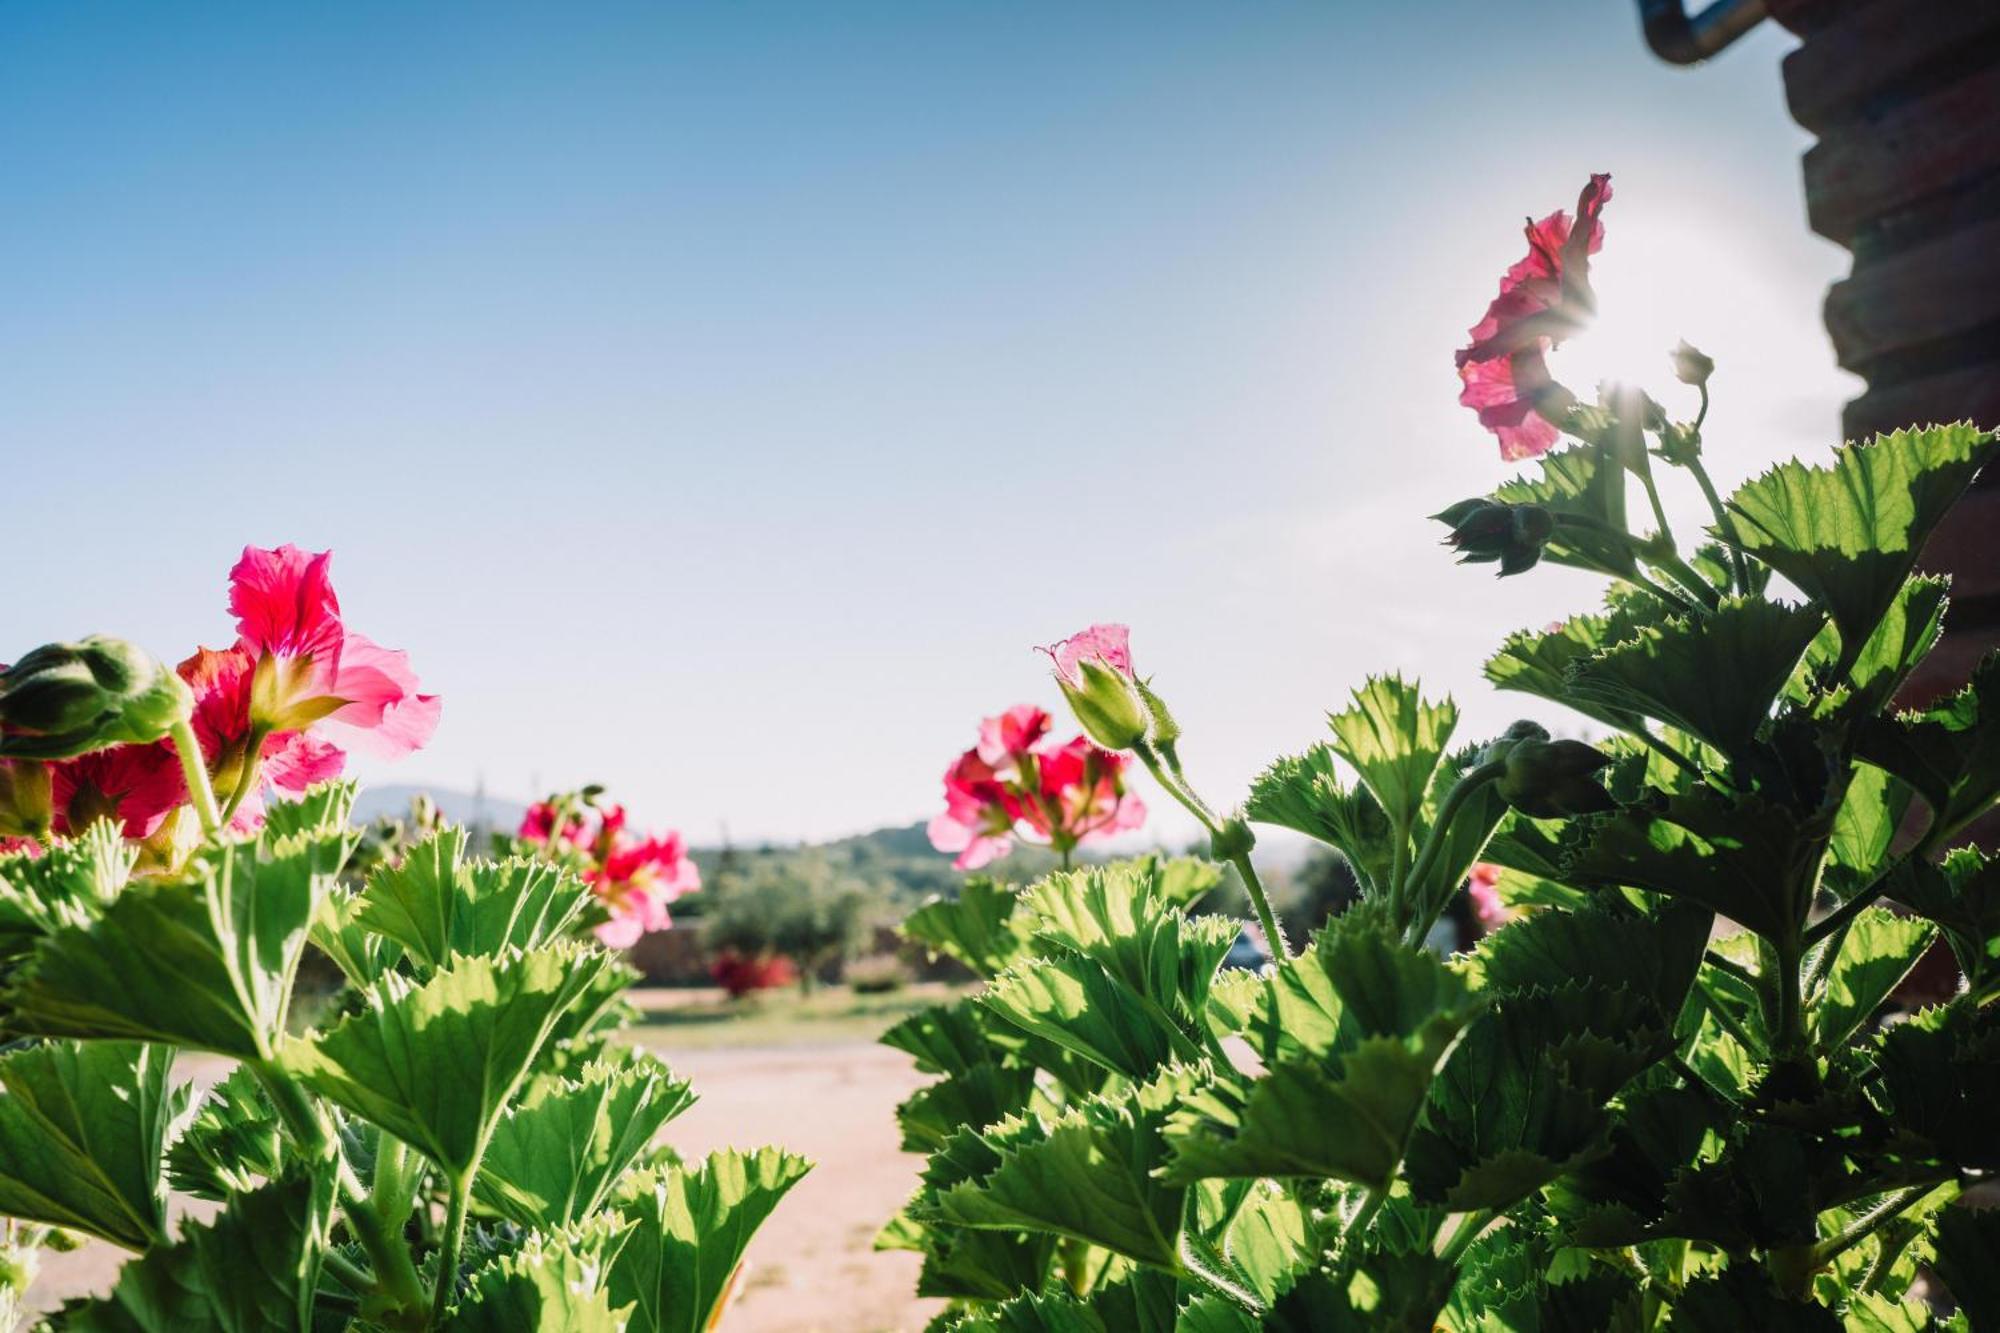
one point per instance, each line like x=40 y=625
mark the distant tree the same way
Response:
x=795 y=904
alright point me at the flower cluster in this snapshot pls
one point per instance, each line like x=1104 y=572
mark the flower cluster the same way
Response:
x=635 y=876
x=1019 y=780
x=1543 y=299
x=275 y=711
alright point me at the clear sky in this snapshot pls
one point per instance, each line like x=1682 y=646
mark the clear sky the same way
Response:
x=717 y=401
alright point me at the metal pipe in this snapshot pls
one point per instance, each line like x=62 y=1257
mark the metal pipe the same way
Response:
x=1681 y=39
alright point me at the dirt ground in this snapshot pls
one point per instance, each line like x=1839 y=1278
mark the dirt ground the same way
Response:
x=813 y=1268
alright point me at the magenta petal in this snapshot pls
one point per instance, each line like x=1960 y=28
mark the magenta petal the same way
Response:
x=284 y=603
x=384 y=713
x=296 y=761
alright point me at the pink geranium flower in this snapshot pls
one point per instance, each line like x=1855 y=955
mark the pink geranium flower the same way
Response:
x=1019 y=779
x=289 y=761
x=1543 y=299
x=310 y=671
x=1108 y=645
x=1482 y=886
x=134 y=786
x=636 y=877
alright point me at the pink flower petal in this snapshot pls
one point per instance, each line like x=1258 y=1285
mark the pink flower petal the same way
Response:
x=284 y=603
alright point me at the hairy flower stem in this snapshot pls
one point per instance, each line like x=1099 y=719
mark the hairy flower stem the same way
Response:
x=448 y=1247
x=1176 y=786
x=195 y=771
x=1864 y=1226
x=1421 y=916
x=396 y=1275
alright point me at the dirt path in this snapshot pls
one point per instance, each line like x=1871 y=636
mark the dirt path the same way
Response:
x=813 y=1268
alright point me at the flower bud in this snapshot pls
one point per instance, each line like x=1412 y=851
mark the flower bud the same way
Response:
x=1691 y=366
x=66 y=699
x=1107 y=705
x=1484 y=531
x=1680 y=443
x=1547 y=779
x=1165 y=731
x=27 y=801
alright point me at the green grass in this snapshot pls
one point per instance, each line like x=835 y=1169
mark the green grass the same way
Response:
x=831 y=1015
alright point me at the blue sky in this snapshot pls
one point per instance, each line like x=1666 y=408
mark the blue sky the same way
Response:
x=718 y=400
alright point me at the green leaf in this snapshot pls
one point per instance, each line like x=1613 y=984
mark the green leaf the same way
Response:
x=1849 y=534
x=1968 y=1259
x=1713 y=676
x=1539 y=662
x=1394 y=739
x=81 y=1133
x=70 y=884
x=1077 y=1005
x=555 y=1158
x=1743 y=1297
x=322 y=812
x=1089 y=1175
x=1963 y=897
x=252 y=1270
x=234 y=1143
x=205 y=962
x=1305 y=793
x=1117 y=917
x=551 y=1284
x=1655 y=957
x=1519 y=1101
x=436 y=905
x=435 y=1064
x=1870 y=814
x=979 y=927
x=1939 y=1080
x=689 y=1229
x=1741 y=858
x=1877 y=952
x=1950 y=752
x=362 y=955
x=973 y=1099
x=1908 y=631
x=943 y=1038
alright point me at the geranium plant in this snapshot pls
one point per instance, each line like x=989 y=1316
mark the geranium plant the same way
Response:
x=462 y=1143
x=1674 y=1092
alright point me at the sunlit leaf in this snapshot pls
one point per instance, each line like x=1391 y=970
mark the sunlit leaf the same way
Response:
x=688 y=1230
x=232 y=1145
x=979 y=927
x=1714 y=676
x=82 y=1126
x=435 y=1064
x=206 y=961
x=555 y=1158
x=252 y=1270
x=1848 y=534
x=435 y=904
x=1394 y=739
x=1877 y=951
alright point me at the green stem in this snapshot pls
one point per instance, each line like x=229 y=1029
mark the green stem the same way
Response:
x=1363 y=1216
x=1863 y=1226
x=352 y=1275
x=195 y=771
x=1689 y=580
x=1724 y=524
x=1838 y=918
x=1274 y=934
x=397 y=1275
x=1659 y=511
x=253 y=763
x=1423 y=914
x=1791 y=1034
x=448 y=1248
x=1724 y=963
x=1177 y=787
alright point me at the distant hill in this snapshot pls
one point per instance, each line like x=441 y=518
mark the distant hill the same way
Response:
x=459 y=807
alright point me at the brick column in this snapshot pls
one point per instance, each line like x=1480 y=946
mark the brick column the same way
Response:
x=1905 y=98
